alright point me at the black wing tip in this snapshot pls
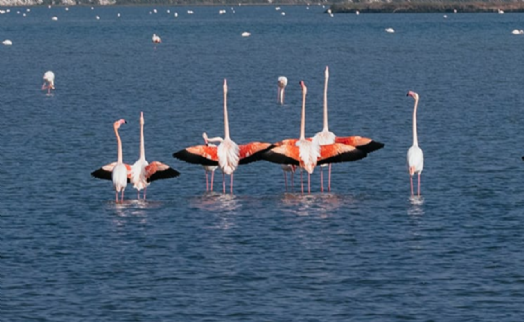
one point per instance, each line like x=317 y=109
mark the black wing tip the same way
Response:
x=259 y=155
x=371 y=146
x=166 y=174
x=188 y=157
x=101 y=174
x=350 y=156
x=278 y=158
x=522 y=158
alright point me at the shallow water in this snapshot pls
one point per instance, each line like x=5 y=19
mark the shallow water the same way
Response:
x=366 y=251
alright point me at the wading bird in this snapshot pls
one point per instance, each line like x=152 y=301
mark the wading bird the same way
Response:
x=415 y=155
x=282 y=83
x=49 y=81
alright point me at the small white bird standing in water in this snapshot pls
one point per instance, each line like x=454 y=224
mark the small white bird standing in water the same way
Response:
x=49 y=82
x=282 y=83
x=415 y=155
x=156 y=39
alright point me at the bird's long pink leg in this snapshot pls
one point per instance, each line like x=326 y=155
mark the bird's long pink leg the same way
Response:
x=321 y=180
x=145 y=193
x=212 y=176
x=231 y=185
x=301 y=181
x=116 y=196
x=411 y=182
x=285 y=178
x=308 y=183
x=418 y=187
x=122 y=201
x=329 y=178
x=223 y=182
x=207 y=183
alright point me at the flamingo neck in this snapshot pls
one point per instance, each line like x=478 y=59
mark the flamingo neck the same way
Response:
x=142 y=144
x=303 y=121
x=215 y=139
x=326 y=128
x=226 y=121
x=119 y=143
x=415 y=139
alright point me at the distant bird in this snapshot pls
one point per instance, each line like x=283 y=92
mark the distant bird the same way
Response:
x=54 y=18
x=309 y=153
x=209 y=168
x=517 y=32
x=7 y=42
x=282 y=83
x=415 y=155
x=119 y=172
x=156 y=39
x=246 y=34
x=49 y=81
x=228 y=155
x=143 y=172
x=390 y=30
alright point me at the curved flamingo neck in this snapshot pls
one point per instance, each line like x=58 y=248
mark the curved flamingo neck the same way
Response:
x=142 y=144
x=303 y=121
x=415 y=138
x=326 y=128
x=226 y=121
x=119 y=142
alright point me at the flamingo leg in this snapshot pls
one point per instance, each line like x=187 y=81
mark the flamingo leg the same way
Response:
x=223 y=182
x=329 y=178
x=122 y=201
x=301 y=181
x=285 y=178
x=231 y=184
x=321 y=180
x=207 y=183
x=411 y=182
x=145 y=193
x=116 y=196
x=308 y=183
x=292 y=175
x=212 y=176
x=418 y=187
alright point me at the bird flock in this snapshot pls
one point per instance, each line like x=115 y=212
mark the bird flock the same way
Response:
x=304 y=153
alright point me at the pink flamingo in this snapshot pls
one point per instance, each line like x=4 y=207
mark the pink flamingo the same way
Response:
x=118 y=172
x=49 y=81
x=228 y=155
x=143 y=172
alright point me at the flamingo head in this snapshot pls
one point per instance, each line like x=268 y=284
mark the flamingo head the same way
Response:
x=413 y=94
x=282 y=82
x=141 y=118
x=204 y=135
x=117 y=124
x=304 y=88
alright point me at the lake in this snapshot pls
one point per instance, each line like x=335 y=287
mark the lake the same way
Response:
x=366 y=251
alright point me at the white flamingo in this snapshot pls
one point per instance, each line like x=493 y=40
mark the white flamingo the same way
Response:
x=118 y=172
x=49 y=81
x=143 y=172
x=282 y=83
x=415 y=155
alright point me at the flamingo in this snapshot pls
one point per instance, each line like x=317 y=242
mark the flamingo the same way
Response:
x=156 y=39
x=228 y=155
x=308 y=153
x=209 y=168
x=49 y=81
x=282 y=83
x=326 y=137
x=118 y=172
x=143 y=172
x=415 y=155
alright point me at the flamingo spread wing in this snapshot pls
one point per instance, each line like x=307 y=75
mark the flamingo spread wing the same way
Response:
x=364 y=144
x=253 y=151
x=283 y=154
x=106 y=171
x=338 y=152
x=199 y=154
x=157 y=170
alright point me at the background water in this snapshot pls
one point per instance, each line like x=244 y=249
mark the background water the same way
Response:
x=364 y=252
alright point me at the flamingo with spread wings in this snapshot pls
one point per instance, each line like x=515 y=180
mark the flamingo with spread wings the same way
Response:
x=326 y=137
x=308 y=153
x=143 y=172
x=227 y=155
x=118 y=172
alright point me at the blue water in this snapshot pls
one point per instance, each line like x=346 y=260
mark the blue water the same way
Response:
x=366 y=251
